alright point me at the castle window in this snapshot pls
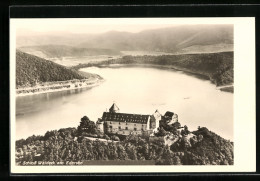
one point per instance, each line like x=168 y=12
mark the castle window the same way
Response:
x=119 y=127
x=110 y=122
x=119 y=122
x=135 y=129
x=110 y=127
x=126 y=128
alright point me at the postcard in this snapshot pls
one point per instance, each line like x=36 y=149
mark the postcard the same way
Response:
x=120 y=95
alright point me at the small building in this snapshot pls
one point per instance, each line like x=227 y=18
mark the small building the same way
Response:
x=170 y=117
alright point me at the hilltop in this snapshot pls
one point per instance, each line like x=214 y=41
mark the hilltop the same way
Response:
x=170 y=145
x=31 y=70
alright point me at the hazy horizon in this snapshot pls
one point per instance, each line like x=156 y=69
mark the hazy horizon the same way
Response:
x=96 y=26
x=52 y=26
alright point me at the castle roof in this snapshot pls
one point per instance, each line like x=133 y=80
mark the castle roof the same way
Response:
x=125 y=117
x=113 y=108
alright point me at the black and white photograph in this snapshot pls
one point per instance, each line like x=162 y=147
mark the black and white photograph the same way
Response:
x=146 y=92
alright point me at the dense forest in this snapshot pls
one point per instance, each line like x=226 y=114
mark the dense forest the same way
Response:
x=31 y=70
x=218 y=67
x=200 y=147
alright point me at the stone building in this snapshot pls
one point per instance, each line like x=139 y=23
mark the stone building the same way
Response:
x=155 y=119
x=125 y=123
x=170 y=117
x=100 y=125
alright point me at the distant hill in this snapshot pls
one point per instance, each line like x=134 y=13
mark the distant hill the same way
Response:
x=215 y=48
x=31 y=69
x=178 y=39
x=172 y=40
x=58 y=51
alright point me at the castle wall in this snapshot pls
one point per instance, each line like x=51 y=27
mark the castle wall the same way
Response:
x=125 y=128
x=100 y=127
x=154 y=122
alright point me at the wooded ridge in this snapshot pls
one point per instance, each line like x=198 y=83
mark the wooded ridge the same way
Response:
x=31 y=70
x=200 y=147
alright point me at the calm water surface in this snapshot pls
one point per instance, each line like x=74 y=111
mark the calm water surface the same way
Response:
x=135 y=90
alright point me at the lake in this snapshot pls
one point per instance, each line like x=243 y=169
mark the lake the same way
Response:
x=139 y=90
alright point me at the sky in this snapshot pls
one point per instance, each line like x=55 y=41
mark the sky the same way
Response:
x=87 y=25
x=101 y=25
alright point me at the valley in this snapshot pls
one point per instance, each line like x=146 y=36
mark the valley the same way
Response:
x=185 y=72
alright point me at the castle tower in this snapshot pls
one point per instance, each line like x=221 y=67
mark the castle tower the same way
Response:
x=155 y=118
x=114 y=109
x=100 y=125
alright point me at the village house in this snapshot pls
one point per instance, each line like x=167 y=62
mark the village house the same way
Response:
x=124 y=123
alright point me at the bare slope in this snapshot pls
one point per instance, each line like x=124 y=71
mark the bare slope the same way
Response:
x=58 y=51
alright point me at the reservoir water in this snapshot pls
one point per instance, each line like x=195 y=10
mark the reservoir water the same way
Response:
x=139 y=90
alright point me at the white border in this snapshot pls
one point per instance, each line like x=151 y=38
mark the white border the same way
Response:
x=244 y=102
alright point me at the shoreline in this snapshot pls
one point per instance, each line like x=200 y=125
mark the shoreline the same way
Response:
x=59 y=86
x=199 y=75
x=207 y=77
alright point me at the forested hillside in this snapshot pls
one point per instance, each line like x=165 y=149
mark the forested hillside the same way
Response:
x=218 y=67
x=200 y=147
x=31 y=70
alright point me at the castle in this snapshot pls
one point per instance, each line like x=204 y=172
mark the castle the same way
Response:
x=114 y=122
